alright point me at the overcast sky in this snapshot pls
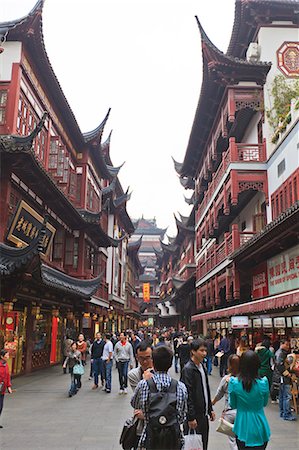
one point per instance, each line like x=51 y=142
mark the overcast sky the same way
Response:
x=143 y=59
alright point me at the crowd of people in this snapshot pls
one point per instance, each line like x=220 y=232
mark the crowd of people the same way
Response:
x=166 y=412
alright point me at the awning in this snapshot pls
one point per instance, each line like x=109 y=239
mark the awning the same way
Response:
x=265 y=304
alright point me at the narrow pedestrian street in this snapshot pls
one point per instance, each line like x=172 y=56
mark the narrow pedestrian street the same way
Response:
x=40 y=416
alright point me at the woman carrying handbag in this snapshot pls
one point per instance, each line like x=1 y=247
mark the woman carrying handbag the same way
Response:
x=73 y=360
x=228 y=414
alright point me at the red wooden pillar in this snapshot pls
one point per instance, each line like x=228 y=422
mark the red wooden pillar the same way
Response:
x=217 y=297
x=227 y=285
x=225 y=200
x=231 y=105
x=207 y=294
x=234 y=187
x=81 y=255
x=235 y=237
x=233 y=149
x=13 y=99
x=236 y=283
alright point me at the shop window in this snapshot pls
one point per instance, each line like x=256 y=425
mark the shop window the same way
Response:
x=69 y=251
x=3 y=102
x=58 y=245
x=41 y=333
x=76 y=254
x=53 y=156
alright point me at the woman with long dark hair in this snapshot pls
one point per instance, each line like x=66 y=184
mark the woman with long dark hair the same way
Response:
x=248 y=394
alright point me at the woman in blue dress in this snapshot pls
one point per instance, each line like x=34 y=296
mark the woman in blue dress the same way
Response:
x=249 y=394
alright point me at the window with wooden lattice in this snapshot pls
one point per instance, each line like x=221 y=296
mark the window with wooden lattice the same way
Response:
x=286 y=195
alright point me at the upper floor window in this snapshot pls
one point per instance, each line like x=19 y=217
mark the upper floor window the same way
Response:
x=281 y=167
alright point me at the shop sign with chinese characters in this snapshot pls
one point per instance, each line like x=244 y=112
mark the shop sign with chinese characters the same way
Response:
x=283 y=271
x=260 y=281
x=26 y=225
x=239 y=322
x=146 y=292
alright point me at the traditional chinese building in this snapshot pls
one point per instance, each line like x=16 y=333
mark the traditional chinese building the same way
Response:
x=177 y=275
x=62 y=207
x=246 y=176
x=148 y=281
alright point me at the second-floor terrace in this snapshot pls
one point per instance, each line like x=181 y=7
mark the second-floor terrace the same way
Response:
x=214 y=254
x=240 y=175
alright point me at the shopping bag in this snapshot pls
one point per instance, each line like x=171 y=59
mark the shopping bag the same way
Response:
x=193 y=441
x=225 y=427
x=78 y=369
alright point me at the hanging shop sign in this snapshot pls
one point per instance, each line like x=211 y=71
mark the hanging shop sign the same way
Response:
x=267 y=322
x=239 y=322
x=279 y=322
x=295 y=320
x=289 y=322
x=26 y=225
x=283 y=271
x=146 y=292
x=256 y=323
x=260 y=281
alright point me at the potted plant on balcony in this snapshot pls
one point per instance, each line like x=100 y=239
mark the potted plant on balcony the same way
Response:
x=285 y=95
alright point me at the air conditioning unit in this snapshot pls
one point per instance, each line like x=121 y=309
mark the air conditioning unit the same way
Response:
x=254 y=52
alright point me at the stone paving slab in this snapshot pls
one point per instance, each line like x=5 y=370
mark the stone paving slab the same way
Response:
x=40 y=416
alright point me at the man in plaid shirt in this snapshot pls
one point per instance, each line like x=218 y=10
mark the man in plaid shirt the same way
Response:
x=162 y=360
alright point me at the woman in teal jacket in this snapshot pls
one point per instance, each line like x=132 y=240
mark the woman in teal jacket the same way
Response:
x=248 y=394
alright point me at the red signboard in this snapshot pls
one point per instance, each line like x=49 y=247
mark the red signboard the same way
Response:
x=260 y=281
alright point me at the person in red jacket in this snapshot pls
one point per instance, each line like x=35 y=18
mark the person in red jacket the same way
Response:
x=5 y=383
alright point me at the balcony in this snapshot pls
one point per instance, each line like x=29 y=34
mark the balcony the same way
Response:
x=218 y=253
x=245 y=154
x=247 y=99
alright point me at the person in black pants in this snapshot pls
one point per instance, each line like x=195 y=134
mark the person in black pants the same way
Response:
x=183 y=352
x=195 y=377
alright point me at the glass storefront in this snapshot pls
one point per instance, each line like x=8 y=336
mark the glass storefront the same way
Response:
x=13 y=338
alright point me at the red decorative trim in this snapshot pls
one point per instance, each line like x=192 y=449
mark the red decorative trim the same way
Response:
x=286 y=195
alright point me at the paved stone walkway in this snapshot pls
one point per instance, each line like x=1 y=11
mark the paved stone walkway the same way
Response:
x=40 y=416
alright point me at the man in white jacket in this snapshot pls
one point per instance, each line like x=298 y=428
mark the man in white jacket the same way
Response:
x=123 y=352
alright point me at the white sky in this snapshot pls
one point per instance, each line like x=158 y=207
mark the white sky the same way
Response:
x=143 y=59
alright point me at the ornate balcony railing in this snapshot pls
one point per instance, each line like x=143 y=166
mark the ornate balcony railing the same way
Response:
x=217 y=253
x=236 y=153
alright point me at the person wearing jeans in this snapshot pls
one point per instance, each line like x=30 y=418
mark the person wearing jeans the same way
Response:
x=107 y=361
x=73 y=358
x=282 y=375
x=124 y=355
x=96 y=360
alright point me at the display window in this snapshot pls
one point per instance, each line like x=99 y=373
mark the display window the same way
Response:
x=13 y=337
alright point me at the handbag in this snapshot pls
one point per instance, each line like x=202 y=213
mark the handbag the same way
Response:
x=225 y=427
x=128 y=437
x=78 y=369
x=193 y=441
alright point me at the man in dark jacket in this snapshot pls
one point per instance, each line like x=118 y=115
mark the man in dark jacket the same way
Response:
x=199 y=398
x=283 y=376
x=96 y=360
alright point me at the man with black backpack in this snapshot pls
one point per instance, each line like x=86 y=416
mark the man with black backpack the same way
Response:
x=163 y=402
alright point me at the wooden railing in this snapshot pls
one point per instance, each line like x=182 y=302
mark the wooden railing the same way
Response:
x=217 y=253
x=236 y=153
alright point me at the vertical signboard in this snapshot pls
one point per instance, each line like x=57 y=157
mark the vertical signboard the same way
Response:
x=146 y=292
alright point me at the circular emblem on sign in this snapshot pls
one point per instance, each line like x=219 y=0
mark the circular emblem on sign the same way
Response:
x=162 y=420
x=9 y=320
x=288 y=59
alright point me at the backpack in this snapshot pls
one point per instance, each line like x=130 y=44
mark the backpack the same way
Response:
x=163 y=429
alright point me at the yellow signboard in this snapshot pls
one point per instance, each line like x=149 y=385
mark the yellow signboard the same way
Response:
x=146 y=292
